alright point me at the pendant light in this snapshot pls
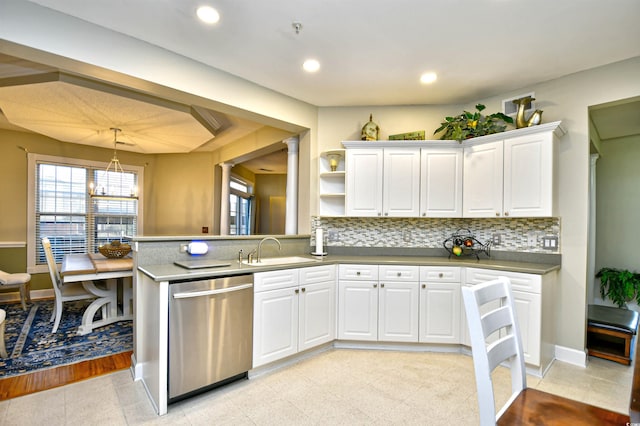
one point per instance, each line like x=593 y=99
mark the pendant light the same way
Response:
x=114 y=168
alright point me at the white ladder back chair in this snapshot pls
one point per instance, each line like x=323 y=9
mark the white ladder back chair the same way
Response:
x=63 y=292
x=507 y=348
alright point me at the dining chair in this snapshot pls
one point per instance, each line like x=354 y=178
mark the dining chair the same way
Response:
x=21 y=281
x=63 y=292
x=3 y=349
x=490 y=309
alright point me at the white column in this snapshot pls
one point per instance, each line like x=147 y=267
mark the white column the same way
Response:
x=592 y=290
x=291 y=218
x=224 y=197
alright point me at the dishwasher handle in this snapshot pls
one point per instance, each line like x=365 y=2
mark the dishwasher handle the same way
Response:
x=189 y=294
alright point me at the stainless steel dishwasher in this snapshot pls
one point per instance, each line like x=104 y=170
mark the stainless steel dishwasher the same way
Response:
x=210 y=333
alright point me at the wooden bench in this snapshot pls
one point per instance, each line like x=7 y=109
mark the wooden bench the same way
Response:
x=610 y=331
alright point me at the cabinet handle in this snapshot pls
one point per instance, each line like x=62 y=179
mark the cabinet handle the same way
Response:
x=424 y=286
x=375 y=286
x=297 y=291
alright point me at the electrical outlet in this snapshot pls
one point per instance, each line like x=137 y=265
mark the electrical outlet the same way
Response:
x=333 y=236
x=406 y=236
x=550 y=242
x=532 y=240
x=496 y=239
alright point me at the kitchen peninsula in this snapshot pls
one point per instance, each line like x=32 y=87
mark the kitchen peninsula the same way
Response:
x=412 y=296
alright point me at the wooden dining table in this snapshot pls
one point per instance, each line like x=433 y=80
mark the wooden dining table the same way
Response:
x=110 y=280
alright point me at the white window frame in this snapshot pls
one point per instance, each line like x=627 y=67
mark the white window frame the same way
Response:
x=32 y=161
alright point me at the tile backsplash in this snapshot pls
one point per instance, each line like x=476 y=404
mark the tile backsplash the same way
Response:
x=515 y=234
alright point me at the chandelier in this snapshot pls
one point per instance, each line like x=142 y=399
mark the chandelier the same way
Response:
x=113 y=182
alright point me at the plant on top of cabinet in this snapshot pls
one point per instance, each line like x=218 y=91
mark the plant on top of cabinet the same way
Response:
x=619 y=285
x=469 y=125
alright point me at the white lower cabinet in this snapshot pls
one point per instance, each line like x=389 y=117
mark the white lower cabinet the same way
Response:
x=528 y=294
x=378 y=304
x=294 y=318
x=440 y=305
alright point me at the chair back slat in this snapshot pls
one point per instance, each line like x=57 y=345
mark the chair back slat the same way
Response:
x=495 y=300
x=53 y=267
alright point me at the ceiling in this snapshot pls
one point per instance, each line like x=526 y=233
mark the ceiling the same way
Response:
x=370 y=53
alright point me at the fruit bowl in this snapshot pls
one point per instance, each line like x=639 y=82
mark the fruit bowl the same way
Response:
x=464 y=243
x=114 y=250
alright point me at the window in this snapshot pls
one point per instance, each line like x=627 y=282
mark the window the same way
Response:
x=62 y=210
x=240 y=207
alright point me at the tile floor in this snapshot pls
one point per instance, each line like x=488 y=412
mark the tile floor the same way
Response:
x=341 y=386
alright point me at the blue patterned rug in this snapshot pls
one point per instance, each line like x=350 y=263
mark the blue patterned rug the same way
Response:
x=31 y=346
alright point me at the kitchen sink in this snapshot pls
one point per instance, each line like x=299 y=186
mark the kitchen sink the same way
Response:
x=269 y=261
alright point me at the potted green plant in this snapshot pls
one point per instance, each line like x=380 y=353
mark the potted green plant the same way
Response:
x=619 y=285
x=469 y=125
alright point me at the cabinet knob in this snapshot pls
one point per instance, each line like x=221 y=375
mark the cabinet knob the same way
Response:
x=440 y=275
x=375 y=286
x=304 y=289
x=497 y=214
x=297 y=291
x=382 y=285
x=399 y=274
x=424 y=214
x=386 y=214
x=358 y=273
x=506 y=213
x=379 y=214
x=424 y=286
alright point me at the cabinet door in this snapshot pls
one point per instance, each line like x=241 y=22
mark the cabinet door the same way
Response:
x=441 y=182
x=358 y=310
x=528 y=312
x=275 y=325
x=401 y=182
x=398 y=312
x=528 y=175
x=364 y=182
x=317 y=314
x=482 y=180
x=440 y=313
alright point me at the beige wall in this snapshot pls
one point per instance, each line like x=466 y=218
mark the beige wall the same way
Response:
x=270 y=191
x=618 y=204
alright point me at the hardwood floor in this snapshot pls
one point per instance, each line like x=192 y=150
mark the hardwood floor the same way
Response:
x=15 y=386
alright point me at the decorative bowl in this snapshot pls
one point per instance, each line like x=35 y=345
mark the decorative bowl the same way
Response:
x=114 y=250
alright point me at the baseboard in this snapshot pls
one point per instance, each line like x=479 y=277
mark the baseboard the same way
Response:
x=571 y=356
x=14 y=296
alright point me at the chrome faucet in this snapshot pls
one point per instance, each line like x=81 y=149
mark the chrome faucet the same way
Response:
x=258 y=256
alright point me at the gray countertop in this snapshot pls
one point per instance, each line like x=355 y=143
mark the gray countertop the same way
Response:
x=172 y=272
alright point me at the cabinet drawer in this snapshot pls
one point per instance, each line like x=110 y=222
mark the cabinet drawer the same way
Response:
x=530 y=283
x=440 y=274
x=318 y=274
x=358 y=272
x=273 y=280
x=398 y=273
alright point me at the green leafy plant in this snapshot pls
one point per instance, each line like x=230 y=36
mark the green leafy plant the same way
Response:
x=619 y=285
x=469 y=125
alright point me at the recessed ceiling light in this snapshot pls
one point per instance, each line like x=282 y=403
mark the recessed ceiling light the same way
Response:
x=428 y=77
x=208 y=14
x=311 y=65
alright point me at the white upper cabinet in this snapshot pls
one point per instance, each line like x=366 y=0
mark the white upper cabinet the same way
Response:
x=528 y=175
x=508 y=174
x=401 y=182
x=482 y=183
x=364 y=182
x=441 y=182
